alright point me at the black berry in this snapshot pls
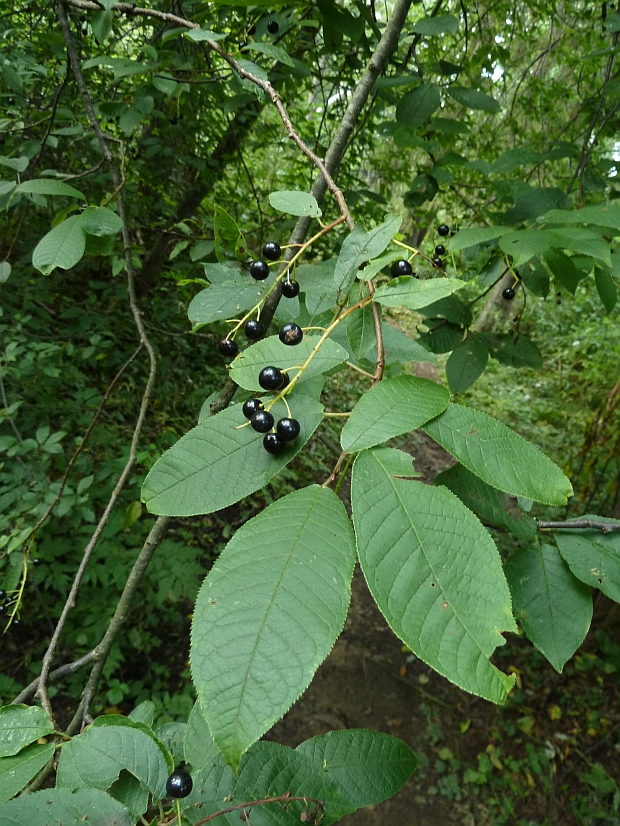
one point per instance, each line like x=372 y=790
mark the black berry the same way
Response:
x=36 y=561
x=273 y=27
x=229 y=347
x=443 y=229
x=254 y=329
x=16 y=622
x=270 y=378
x=262 y=421
x=2 y=610
x=259 y=270
x=2 y=595
x=179 y=784
x=290 y=333
x=272 y=251
x=285 y=380
x=273 y=443
x=454 y=230
x=437 y=262
x=440 y=250
x=173 y=121
x=251 y=406
x=508 y=294
x=290 y=289
x=401 y=267
x=288 y=429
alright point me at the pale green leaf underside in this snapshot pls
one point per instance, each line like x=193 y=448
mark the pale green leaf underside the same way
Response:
x=101 y=221
x=56 y=806
x=21 y=725
x=49 y=186
x=498 y=455
x=594 y=558
x=407 y=291
x=430 y=566
x=271 y=351
x=367 y=767
x=62 y=247
x=228 y=299
x=603 y=215
x=269 y=613
x=218 y=463
x=478 y=235
x=393 y=407
x=19 y=769
x=554 y=608
x=95 y=758
x=293 y=202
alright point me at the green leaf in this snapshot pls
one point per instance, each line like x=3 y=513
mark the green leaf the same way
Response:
x=95 y=759
x=271 y=351
x=5 y=271
x=520 y=353
x=295 y=203
x=441 y=24
x=18 y=770
x=367 y=767
x=204 y=34
x=407 y=291
x=18 y=164
x=444 y=338
x=498 y=455
x=554 y=608
x=198 y=745
x=145 y=711
x=474 y=99
x=269 y=613
x=479 y=235
x=228 y=299
x=429 y=565
x=466 y=363
x=316 y=281
x=129 y=791
x=415 y=108
x=375 y=266
x=606 y=289
x=218 y=463
x=101 y=23
x=603 y=215
x=21 y=725
x=277 y=53
x=583 y=241
x=201 y=249
x=49 y=186
x=62 y=247
x=12 y=79
x=564 y=270
x=393 y=407
x=401 y=347
x=361 y=331
x=525 y=244
x=101 y=221
x=513 y=159
x=487 y=502
x=594 y=558
x=107 y=4
x=452 y=309
x=56 y=806
x=99 y=245
x=360 y=246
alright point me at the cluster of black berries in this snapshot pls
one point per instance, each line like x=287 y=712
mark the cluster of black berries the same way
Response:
x=5 y=601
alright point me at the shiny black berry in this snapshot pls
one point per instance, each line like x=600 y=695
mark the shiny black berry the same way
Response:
x=270 y=378
x=262 y=421
x=2 y=595
x=179 y=784
x=254 y=329
x=273 y=443
x=508 y=294
x=272 y=251
x=251 y=406
x=173 y=121
x=229 y=347
x=2 y=610
x=440 y=250
x=285 y=380
x=273 y=27
x=443 y=229
x=288 y=429
x=36 y=562
x=401 y=267
x=437 y=262
x=290 y=333
x=290 y=289
x=259 y=270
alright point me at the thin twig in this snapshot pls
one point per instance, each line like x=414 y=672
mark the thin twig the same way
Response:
x=284 y=798
x=576 y=524
x=56 y=674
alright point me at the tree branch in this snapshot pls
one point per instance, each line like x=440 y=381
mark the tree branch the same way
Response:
x=576 y=524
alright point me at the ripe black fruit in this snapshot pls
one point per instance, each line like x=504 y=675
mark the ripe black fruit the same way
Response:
x=262 y=421
x=273 y=27
x=259 y=270
x=437 y=262
x=290 y=333
x=2 y=595
x=288 y=429
x=272 y=251
x=443 y=229
x=229 y=347
x=179 y=784
x=2 y=610
x=173 y=121
x=285 y=380
x=251 y=406
x=36 y=561
x=401 y=267
x=508 y=294
x=16 y=622
x=254 y=329
x=440 y=250
x=290 y=289
x=270 y=378
x=273 y=443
